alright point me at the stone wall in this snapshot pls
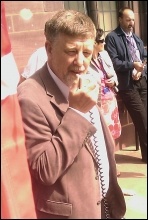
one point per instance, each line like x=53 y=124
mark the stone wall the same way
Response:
x=25 y=20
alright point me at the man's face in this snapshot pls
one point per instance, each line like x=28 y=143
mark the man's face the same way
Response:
x=127 y=21
x=68 y=56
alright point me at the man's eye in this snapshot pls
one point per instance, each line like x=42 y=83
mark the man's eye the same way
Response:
x=86 y=53
x=71 y=52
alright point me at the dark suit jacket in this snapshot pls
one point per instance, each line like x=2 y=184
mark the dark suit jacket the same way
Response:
x=61 y=162
x=117 y=48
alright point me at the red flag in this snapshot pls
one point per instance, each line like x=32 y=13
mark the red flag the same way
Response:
x=16 y=191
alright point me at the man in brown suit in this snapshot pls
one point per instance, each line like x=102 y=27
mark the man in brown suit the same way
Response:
x=70 y=156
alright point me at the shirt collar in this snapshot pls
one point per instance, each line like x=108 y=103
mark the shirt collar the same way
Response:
x=63 y=88
x=127 y=35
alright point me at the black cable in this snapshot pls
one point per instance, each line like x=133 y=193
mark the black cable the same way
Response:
x=100 y=168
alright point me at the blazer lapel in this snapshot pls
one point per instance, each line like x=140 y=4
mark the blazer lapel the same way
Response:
x=53 y=92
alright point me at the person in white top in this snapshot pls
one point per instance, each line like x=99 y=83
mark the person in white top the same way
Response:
x=35 y=62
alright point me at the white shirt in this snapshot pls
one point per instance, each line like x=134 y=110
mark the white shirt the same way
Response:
x=35 y=62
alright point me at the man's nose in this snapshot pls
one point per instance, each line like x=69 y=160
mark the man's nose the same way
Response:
x=132 y=22
x=79 y=59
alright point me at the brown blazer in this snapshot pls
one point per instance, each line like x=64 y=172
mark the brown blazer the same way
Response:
x=61 y=162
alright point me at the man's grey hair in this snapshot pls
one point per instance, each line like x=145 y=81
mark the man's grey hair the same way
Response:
x=70 y=22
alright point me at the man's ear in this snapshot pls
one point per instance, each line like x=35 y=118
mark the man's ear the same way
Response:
x=120 y=19
x=48 y=46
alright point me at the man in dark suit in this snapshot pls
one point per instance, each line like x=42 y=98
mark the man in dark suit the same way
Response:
x=73 y=177
x=128 y=55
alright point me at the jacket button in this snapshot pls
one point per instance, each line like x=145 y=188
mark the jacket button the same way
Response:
x=98 y=203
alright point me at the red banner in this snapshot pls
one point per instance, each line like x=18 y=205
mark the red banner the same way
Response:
x=16 y=191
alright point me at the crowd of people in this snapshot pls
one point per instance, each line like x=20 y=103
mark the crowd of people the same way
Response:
x=70 y=114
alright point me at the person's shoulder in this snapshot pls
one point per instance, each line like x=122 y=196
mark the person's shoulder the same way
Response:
x=116 y=31
x=37 y=52
x=137 y=37
x=26 y=83
x=103 y=53
x=36 y=61
x=41 y=50
x=105 y=56
x=28 y=87
x=41 y=55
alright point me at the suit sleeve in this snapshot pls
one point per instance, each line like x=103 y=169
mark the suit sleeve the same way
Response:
x=52 y=146
x=118 y=53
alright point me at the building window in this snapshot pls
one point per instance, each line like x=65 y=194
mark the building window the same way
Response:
x=107 y=15
x=76 y=5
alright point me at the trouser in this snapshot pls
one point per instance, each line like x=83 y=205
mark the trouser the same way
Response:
x=135 y=101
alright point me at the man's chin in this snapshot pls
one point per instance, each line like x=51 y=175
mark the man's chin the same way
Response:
x=130 y=29
x=72 y=78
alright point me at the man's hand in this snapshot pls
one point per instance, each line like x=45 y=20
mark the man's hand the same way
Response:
x=84 y=93
x=138 y=66
x=136 y=76
x=110 y=82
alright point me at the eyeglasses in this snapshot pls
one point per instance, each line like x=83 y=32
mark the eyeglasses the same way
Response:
x=101 y=41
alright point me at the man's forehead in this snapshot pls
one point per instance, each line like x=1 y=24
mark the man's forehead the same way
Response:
x=75 y=40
